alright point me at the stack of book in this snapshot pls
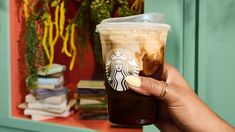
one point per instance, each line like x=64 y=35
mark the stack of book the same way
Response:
x=92 y=102
x=49 y=99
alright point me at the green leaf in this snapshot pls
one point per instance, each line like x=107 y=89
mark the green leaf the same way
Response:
x=45 y=15
x=54 y=3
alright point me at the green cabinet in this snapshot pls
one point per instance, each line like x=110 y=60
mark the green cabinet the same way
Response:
x=200 y=45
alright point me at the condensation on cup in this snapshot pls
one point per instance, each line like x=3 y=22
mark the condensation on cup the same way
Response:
x=132 y=45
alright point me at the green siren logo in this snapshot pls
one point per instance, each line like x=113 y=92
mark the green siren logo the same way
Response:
x=119 y=64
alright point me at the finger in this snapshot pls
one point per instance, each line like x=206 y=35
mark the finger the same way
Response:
x=135 y=83
x=165 y=72
x=171 y=75
x=145 y=86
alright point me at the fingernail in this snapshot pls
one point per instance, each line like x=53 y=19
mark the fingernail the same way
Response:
x=133 y=81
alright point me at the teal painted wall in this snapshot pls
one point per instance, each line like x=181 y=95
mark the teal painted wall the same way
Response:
x=216 y=56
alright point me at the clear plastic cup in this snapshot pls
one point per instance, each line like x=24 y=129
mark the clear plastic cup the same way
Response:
x=132 y=45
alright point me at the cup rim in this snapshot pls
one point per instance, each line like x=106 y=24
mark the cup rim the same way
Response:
x=157 y=26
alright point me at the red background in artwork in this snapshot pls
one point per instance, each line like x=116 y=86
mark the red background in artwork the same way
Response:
x=83 y=69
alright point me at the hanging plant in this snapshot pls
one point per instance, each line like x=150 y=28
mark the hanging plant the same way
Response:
x=32 y=43
x=83 y=25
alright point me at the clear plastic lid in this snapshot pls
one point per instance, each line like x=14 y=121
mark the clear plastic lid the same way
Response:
x=151 y=20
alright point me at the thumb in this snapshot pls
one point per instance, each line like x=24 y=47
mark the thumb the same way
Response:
x=146 y=86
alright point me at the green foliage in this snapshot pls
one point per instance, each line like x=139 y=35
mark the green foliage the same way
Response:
x=83 y=21
x=101 y=9
x=83 y=13
x=124 y=9
x=31 y=52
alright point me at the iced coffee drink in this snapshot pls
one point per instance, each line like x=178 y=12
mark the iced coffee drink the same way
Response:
x=131 y=48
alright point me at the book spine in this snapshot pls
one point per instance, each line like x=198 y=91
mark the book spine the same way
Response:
x=50 y=81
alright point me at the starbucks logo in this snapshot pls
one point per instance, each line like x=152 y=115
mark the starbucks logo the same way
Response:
x=119 y=64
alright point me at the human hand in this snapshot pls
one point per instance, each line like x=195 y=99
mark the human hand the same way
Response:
x=181 y=109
